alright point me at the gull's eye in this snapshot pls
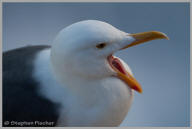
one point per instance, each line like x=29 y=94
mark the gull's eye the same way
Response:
x=101 y=45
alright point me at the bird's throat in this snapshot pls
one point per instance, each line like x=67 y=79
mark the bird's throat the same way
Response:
x=123 y=74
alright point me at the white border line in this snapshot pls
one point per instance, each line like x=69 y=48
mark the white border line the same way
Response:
x=1 y=17
x=96 y=0
x=1 y=42
x=190 y=64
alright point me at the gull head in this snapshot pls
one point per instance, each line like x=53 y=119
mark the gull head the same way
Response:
x=84 y=50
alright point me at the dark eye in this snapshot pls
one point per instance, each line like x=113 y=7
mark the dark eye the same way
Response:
x=101 y=45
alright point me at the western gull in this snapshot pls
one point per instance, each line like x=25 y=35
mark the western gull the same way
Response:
x=75 y=82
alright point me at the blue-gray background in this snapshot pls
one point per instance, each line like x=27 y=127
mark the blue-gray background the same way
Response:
x=161 y=66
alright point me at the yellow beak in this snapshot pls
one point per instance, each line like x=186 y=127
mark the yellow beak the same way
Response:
x=139 y=38
x=146 y=36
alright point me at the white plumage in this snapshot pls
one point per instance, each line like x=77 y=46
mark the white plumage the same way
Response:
x=89 y=94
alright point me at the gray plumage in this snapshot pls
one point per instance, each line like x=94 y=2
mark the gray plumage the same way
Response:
x=21 y=101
